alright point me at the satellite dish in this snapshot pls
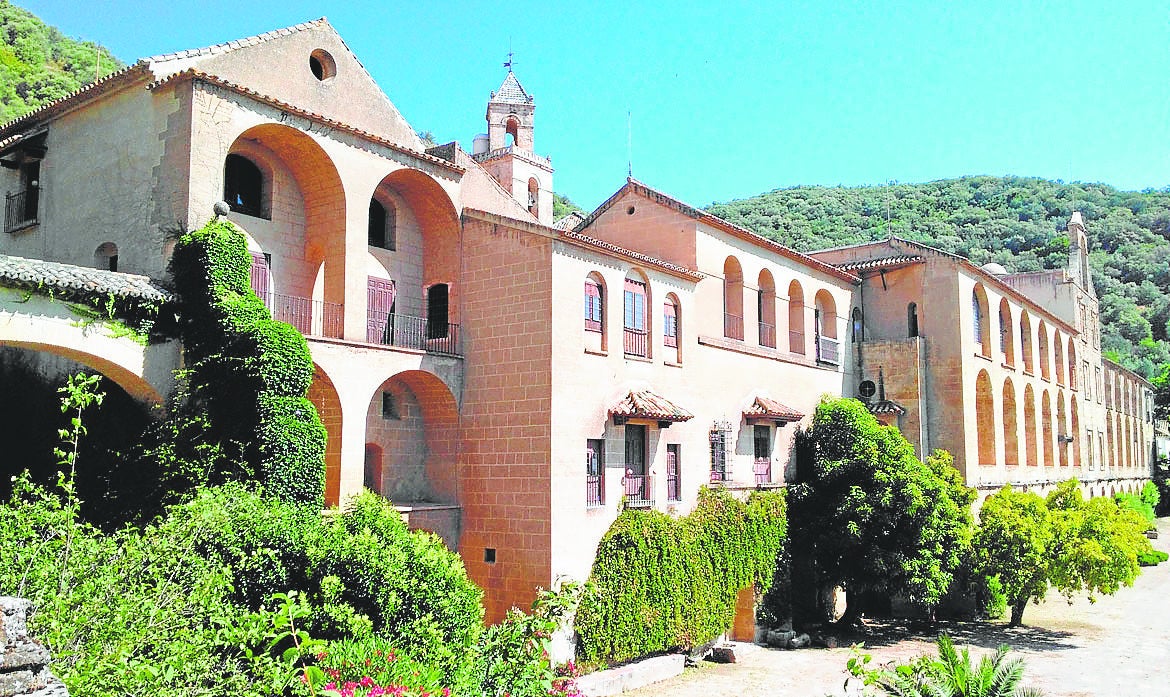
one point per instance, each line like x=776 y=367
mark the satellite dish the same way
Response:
x=867 y=389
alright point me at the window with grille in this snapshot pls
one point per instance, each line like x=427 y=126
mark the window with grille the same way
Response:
x=594 y=472
x=673 y=479
x=635 y=305
x=719 y=443
x=669 y=325
x=592 y=306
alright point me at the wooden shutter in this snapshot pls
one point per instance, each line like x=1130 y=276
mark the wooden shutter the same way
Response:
x=380 y=295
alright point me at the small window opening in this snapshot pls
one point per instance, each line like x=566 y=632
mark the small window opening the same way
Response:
x=437 y=311
x=390 y=407
x=322 y=65
x=243 y=186
x=106 y=256
x=534 y=197
x=912 y=319
x=630 y=210
x=383 y=228
x=489 y=555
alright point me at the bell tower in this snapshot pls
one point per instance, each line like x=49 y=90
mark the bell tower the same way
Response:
x=508 y=153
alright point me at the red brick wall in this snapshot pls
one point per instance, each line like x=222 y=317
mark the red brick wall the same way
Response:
x=505 y=475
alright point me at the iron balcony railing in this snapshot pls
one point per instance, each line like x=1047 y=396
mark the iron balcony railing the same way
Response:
x=20 y=209
x=405 y=331
x=732 y=326
x=828 y=350
x=594 y=490
x=767 y=335
x=310 y=317
x=796 y=341
x=634 y=342
x=672 y=487
x=638 y=490
x=763 y=470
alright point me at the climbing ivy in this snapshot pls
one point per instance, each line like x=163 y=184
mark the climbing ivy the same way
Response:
x=665 y=583
x=248 y=375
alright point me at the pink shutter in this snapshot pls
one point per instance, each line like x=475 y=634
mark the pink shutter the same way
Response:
x=261 y=277
x=380 y=295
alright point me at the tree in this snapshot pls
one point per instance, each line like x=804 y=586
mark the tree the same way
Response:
x=867 y=515
x=562 y=206
x=1074 y=545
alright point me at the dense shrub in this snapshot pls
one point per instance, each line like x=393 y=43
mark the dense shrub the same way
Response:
x=665 y=583
x=245 y=390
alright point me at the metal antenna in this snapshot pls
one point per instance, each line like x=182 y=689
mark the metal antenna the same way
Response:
x=509 y=63
x=629 y=145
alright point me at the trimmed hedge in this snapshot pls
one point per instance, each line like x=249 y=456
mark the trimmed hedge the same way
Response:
x=666 y=583
x=249 y=374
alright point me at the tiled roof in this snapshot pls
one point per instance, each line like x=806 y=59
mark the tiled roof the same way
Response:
x=646 y=258
x=120 y=78
x=511 y=92
x=568 y=222
x=718 y=223
x=884 y=262
x=77 y=281
x=885 y=406
x=770 y=409
x=193 y=74
x=238 y=43
x=647 y=405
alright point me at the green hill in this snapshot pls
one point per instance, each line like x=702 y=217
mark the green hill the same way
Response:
x=39 y=64
x=1016 y=221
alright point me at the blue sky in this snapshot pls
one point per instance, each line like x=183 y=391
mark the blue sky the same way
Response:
x=729 y=99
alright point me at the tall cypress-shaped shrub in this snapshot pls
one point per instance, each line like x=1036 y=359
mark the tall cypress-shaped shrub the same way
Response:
x=248 y=374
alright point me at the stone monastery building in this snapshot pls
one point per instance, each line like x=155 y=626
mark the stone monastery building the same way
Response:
x=507 y=380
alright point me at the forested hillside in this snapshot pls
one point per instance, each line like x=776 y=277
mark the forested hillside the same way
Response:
x=1018 y=222
x=39 y=64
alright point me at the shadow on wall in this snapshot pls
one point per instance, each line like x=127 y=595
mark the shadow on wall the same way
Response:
x=110 y=483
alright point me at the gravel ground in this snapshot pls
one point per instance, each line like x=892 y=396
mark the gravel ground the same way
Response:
x=1117 y=647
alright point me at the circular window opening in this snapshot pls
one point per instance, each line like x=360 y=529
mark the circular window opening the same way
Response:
x=322 y=64
x=630 y=210
x=867 y=389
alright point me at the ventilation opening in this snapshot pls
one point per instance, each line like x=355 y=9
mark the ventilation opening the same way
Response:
x=322 y=64
x=630 y=210
x=489 y=555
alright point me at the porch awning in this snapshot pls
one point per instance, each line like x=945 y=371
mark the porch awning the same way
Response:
x=648 y=406
x=764 y=409
x=885 y=406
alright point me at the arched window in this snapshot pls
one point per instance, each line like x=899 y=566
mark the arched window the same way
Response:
x=912 y=320
x=1072 y=365
x=985 y=418
x=594 y=304
x=732 y=299
x=244 y=187
x=106 y=256
x=1011 y=436
x=383 y=225
x=1076 y=435
x=373 y=470
x=534 y=197
x=1063 y=438
x=1042 y=348
x=858 y=333
x=1030 y=433
x=825 y=328
x=671 y=323
x=512 y=131
x=1026 y=341
x=1046 y=427
x=982 y=331
x=766 y=304
x=1006 y=344
x=635 y=320
x=1058 y=361
x=796 y=342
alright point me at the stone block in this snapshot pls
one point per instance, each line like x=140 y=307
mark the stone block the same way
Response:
x=780 y=638
x=631 y=676
x=723 y=654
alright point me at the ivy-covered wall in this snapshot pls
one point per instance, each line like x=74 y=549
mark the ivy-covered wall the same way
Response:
x=247 y=374
x=666 y=583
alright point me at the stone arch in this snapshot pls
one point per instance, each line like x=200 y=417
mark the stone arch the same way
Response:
x=1045 y=352
x=1076 y=433
x=1011 y=437
x=825 y=314
x=1026 y=342
x=374 y=474
x=1007 y=343
x=672 y=326
x=1058 y=359
x=534 y=196
x=1073 y=381
x=732 y=298
x=766 y=304
x=796 y=338
x=985 y=418
x=1046 y=428
x=1063 y=438
x=1109 y=443
x=596 y=314
x=1030 y=427
x=323 y=395
x=981 y=322
x=106 y=256
x=413 y=417
x=306 y=231
x=912 y=320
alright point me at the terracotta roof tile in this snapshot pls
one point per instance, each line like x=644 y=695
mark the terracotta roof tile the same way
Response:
x=610 y=247
x=512 y=92
x=884 y=262
x=885 y=406
x=568 y=222
x=237 y=43
x=647 y=405
x=77 y=281
x=764 y=408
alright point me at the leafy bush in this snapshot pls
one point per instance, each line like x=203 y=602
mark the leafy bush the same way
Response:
x=1138 y=504
x=1151 y=557
x=952 y=674
x=665 y=583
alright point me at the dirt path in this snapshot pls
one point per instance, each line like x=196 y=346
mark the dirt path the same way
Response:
x=1118 y=647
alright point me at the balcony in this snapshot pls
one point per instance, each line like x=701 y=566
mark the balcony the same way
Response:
x=828 y=350
x=404 y=331
x=732 y=326
x=594 y=490
x=20 y=209
x=310 y=317
x=634 y=342
x=767 y=335
x=638 y=490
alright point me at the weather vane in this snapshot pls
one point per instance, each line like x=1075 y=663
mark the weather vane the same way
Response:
x=508 y=63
